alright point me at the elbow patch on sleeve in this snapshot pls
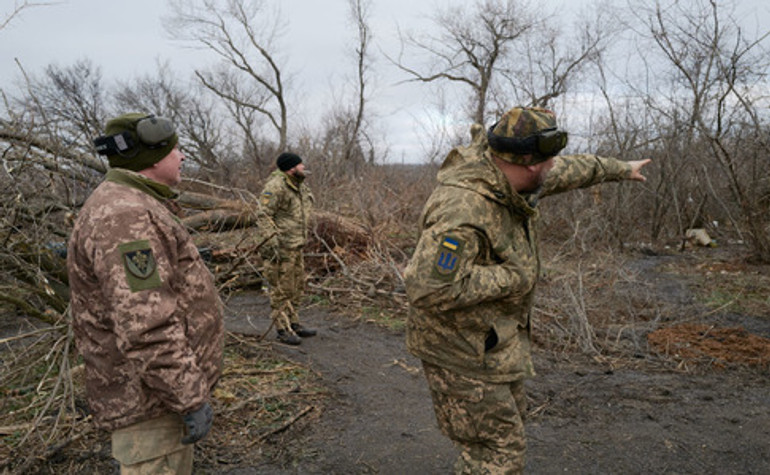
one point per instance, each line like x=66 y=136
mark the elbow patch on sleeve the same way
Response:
x=140 y=266
x=447 y=259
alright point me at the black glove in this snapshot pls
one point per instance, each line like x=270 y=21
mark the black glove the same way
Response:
x=198 y=423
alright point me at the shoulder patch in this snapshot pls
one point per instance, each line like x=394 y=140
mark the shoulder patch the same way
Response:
x=266 y=197
x=139 y=265
x=446 y=263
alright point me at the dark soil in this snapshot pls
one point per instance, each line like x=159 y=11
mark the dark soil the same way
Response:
x=644 y=414
x=381 y=417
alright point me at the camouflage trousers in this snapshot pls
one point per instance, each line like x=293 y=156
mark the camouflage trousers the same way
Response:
x=153 y=447
x=484 y=419
x=286 y=278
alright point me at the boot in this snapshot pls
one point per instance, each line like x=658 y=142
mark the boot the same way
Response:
x=288 y=338
x=302 y=331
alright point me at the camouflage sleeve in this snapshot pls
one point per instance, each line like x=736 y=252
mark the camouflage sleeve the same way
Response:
x=443 y=273
x=271 y=198
x=580 y=171
x=135 y=267
x=269 y=203
x=311 y=201
x=267 y=231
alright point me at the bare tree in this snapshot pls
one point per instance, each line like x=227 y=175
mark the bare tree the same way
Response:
x=712 y=101
x=7 y=17
x=47 y=169
x=470 y=46
x=66 y=104
x=242 y=34
x=200 y=123
x=359 y=14
x=546 y=61
x=344 y=143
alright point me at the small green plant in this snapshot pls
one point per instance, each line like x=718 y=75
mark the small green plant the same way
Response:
x=383 y=317
x=722 y=299
x=316 y=299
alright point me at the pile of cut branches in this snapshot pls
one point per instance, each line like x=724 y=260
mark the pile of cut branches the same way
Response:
x=261 y=398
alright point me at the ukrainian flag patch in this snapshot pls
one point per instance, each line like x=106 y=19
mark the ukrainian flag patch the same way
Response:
x=266 y=197
x=447 y=259
x=450 y=243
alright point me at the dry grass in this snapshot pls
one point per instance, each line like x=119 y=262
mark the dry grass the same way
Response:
x=260 y=395
x=692 y=344
x=592 y=304
x=730 y=283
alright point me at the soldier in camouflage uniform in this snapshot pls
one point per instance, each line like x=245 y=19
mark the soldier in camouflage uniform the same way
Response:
x=146 y=315
x=471 y=280
x=286 y=206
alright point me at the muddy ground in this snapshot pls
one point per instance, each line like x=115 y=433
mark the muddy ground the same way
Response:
x=587 y=415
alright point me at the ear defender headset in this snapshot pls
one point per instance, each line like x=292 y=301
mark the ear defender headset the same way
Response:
x=153 y=132
x=546 y=143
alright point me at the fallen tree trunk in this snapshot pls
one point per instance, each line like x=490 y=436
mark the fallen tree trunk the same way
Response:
x=218 y=220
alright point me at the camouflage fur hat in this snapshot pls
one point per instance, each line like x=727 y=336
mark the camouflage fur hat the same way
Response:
x=142 y=140
x=526 y=136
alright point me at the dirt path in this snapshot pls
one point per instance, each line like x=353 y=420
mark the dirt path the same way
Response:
x=382 y=419
x=598 y=421
x=584 y=417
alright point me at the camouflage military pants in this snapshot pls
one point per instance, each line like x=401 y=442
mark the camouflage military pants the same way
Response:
x=153 y=447
x=484 y=419
x=286 y=277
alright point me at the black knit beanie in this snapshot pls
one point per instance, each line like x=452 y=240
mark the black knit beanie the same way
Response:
x=286 y=161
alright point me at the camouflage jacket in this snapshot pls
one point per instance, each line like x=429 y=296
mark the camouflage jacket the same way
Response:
x=286 y=205
x=470 y=282
x=146 y=315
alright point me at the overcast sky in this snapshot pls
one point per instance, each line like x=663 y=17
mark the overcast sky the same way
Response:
x=127 y=39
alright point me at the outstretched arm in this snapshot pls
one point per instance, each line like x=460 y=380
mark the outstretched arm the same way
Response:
x=636 y=169
x=581 y=171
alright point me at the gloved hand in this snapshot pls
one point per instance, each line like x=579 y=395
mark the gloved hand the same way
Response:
x=198 y=423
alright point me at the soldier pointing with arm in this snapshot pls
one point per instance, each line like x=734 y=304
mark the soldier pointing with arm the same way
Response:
x=145 y=312
x=471 y=280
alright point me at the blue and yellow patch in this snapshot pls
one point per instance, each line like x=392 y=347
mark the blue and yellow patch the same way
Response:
x=266 y=197
x=450 y=243
x=447 y=259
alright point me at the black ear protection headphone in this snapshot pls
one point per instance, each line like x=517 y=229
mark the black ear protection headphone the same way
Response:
x=153 y=132
x=547 y=142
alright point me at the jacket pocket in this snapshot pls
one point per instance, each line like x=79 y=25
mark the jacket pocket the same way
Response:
x=511 y=355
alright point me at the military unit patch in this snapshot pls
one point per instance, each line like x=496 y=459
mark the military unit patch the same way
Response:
x=266 y=197
x=139 y=265
x=447 y=257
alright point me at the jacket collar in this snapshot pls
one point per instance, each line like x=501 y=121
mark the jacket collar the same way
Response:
x=291 y=181
x=477 y=172
x=140 y=182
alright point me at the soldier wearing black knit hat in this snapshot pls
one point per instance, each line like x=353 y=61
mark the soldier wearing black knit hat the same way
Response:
x=286 y=206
